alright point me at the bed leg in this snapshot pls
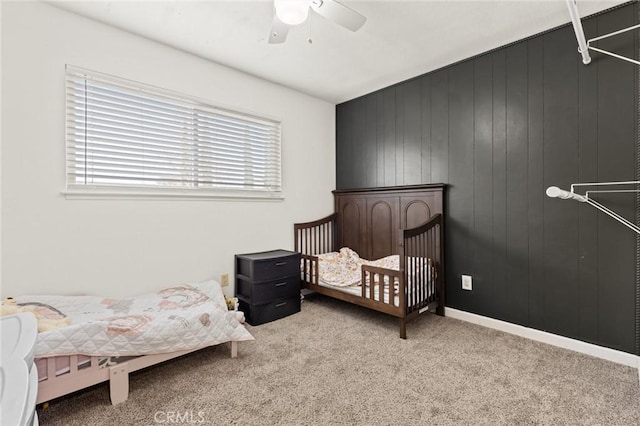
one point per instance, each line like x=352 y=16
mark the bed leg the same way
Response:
x=119 y=383
x=403 y=328
x=234 y=349
x=440 y=310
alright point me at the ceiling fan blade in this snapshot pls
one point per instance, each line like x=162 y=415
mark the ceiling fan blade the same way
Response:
x=339 y=13
x=279 y=31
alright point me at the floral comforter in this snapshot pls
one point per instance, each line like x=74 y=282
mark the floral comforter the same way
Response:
x=344 y=268
x=184 y=317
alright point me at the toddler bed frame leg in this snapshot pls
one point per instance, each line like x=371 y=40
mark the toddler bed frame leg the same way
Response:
x=403 y=328
x=119 y=378
x=119 y=383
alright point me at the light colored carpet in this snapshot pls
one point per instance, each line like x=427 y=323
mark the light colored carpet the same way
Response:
x=334 y=363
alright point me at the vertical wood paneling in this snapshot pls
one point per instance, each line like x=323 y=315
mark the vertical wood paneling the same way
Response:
x=440 y=126
x=425 y=122
x=343 y=135
x=380 y=138
x=371 y=142
x=587 y=216
x=482 y=236
x=499 y=129
x=412 y=140
x=389 y=113
x=499 y=174
x=616 y=154
x=400 y=149
x=359 y=149
x=536 y=188
x=461 y=132
x=561 y=169
x=517 y=164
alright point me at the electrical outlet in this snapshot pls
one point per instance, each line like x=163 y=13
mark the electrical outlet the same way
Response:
x=224 y=280
x=466 y=282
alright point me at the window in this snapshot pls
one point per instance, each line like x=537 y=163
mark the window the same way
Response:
x=128 y=138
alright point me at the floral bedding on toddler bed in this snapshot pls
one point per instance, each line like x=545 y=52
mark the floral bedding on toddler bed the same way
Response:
x=344 y=268
x=184 y=317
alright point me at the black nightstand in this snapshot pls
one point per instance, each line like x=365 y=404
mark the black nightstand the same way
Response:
x=268 y=285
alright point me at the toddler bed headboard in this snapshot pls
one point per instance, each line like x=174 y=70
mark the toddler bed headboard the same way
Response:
x=370 y=220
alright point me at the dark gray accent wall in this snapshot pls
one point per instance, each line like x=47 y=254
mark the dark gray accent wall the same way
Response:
x=499 y=129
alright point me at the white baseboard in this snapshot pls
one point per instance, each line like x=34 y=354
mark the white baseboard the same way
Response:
x=549 y=338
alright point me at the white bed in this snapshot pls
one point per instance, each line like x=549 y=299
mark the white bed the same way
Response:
x=107 y=338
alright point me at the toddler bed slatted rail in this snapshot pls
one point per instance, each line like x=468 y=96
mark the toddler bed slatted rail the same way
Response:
x=378 y=222
x=81 y=372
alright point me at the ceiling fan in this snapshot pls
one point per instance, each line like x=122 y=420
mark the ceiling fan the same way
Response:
x=295 y=12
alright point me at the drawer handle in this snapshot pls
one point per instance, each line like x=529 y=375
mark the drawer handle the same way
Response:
x=281 y=304
x=281 y=263
x=281 y=284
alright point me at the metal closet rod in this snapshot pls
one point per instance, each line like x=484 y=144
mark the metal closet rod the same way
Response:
x=584 y=46
x=555 y=192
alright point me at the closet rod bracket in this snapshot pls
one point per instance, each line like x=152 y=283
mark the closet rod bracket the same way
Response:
x=619 y=187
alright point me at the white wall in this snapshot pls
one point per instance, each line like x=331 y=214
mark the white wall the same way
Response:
x=118 y=248
x=0 y=152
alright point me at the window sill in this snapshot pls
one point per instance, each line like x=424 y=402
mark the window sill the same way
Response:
x=120 y=194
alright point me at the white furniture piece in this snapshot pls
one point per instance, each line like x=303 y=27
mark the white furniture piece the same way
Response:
x=18 y=373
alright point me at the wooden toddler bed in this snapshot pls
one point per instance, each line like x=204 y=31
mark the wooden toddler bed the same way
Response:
x=378 y=222
x=106 y=339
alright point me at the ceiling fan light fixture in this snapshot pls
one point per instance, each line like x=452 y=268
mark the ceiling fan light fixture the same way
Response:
x=292 y=12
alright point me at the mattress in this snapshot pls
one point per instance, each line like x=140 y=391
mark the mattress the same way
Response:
x=356 y=290
x=184 y=317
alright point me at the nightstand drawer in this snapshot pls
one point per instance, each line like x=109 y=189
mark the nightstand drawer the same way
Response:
x=275 y=268
x=268 y=266
x=259 y=314
x=263 y=292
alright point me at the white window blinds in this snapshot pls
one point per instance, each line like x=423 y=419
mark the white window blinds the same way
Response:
x=125 y=135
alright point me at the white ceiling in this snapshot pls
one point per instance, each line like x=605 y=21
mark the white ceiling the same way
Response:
x=400 y=40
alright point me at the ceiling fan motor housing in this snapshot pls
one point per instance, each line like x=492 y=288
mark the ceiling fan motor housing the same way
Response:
x=292 y=12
